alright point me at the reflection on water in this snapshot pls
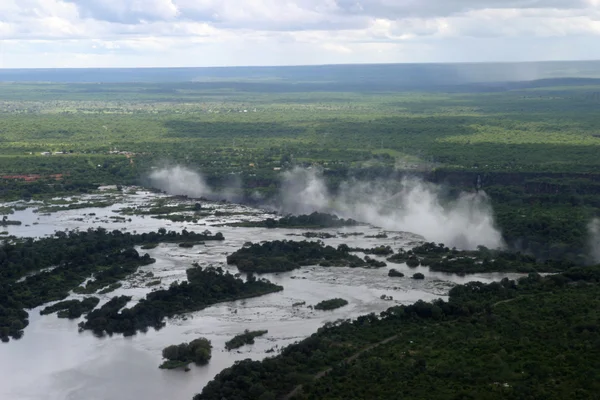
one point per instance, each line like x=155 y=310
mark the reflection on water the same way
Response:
x=54 y=361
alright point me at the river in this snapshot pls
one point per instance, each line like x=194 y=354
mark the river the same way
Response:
x=53 y=361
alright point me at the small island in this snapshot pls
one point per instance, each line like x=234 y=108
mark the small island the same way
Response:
x=5 y=222
x=443 y=259
x=395 y=273
x=331 y=304
x=418 y=276
x=189 y=245
x=315 y=220
x=373 y=263
x=243 y=339
x=197 y=351
x=284 y=255
x=72 y=308
x=378 y=251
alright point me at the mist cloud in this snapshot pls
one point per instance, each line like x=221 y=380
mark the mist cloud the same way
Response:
x=408 y=205
x=181 y=181
x=303 y=192
x=401 y=205
x=594 y=230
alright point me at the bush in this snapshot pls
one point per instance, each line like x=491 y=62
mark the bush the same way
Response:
x=197 y=351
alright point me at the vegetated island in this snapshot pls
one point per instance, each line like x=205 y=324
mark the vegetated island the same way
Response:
x=499 y=340
x=35 y=272
x=204 y=287
x=315 y=220
x=395 y=273
x=162 y=207
x=74 y=206
x=443 y=259
x=285 y=255
x=243 y=339
x=331 y=304
x=5 y=222
x=377 y=251
x=197 y=351
x=72 y=309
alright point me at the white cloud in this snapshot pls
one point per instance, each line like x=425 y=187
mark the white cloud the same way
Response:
x=258 y=32
x=127 y=11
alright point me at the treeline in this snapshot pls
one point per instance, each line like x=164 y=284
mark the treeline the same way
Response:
x=315 y=220
x=243 y=339
x=438 y=257
x=204 y=287
x=534 y=337
x=284 y=255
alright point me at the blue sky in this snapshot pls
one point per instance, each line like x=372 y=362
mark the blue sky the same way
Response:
x=170 y=33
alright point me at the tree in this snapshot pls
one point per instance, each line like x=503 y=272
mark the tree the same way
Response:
x=171 y=352
x=202 y=355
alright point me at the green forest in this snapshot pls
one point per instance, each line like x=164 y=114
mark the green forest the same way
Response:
x=532 y=339
x=532 y=147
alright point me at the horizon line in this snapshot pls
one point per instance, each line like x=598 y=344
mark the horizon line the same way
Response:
x=313 y=65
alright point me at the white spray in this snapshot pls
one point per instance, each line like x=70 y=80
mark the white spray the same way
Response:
x=303 y=191
x=412 y=206
x=594 y=230
x=409 y=205
x=180 y=181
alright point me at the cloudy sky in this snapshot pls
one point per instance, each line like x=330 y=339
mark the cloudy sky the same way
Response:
x=134 y=33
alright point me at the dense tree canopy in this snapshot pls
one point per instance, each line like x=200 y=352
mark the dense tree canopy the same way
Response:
x=535 y=338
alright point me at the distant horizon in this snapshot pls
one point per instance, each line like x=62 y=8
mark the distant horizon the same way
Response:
x=305 y=65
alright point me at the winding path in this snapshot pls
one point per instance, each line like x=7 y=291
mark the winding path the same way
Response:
x=353 y=357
